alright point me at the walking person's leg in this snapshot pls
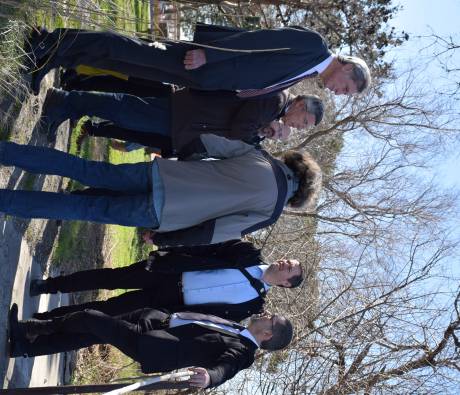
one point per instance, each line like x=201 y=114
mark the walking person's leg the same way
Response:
x=150 y=114
x=109 y=130
x=129 y=177
x=107 y=83
x=117 y=305
x=135 y=276
x=112 y=51
x=123 y=332
x=129 y=210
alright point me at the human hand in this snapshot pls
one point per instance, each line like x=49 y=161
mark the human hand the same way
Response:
x=276 y=130
x=194 y=58
x=200 y=378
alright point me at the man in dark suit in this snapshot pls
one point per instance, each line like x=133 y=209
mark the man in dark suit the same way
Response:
x=182 y=116
x=228 y=279
x=158 y=340
x=252 y=62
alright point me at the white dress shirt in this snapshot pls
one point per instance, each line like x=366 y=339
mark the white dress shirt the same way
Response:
x=220 y=286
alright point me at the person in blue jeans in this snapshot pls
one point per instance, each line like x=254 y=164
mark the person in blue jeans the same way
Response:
x=131 y=206
x=184 y=202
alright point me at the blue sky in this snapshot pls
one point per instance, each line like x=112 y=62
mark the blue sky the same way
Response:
x=421 y=18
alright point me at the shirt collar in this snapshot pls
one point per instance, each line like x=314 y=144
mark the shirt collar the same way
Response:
x=324 y=64
x=262 y=269
x=249 y=336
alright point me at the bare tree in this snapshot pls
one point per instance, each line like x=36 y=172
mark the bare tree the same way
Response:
x=377 y=313
x=445 y=51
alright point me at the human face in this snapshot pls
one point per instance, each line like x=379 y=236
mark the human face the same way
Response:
x=297 y=116
x=340 y=82
x=264 y=321
x=276 y=130
x=280 y=272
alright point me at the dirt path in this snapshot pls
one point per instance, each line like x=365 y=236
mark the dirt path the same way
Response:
x=25 y=251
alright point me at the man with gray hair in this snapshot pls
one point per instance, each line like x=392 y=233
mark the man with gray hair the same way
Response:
x=170 y=123
x=252 y=63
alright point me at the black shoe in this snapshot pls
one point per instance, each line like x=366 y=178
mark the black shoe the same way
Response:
x=17 y=339
x=34 y=328
x=38 y=287
x=52 y=114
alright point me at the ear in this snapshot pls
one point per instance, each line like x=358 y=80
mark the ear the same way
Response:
x=347 y=67
x=267 y=335
x=286 y=284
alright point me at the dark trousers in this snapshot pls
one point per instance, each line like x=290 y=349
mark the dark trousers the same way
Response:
x=108 y=83
x=144 y=114
x=110 y=130
x=156 y=289
x=127 y=55
x=143 y=335
x=84 y=328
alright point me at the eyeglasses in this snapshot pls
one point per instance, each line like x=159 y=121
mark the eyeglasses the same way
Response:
x=272 y=320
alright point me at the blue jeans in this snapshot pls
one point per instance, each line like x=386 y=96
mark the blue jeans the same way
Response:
x=133 y=206
x=143 y=114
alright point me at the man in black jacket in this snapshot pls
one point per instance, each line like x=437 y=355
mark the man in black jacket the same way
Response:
x=253 y=63
x=158 y=340
x=228 y=279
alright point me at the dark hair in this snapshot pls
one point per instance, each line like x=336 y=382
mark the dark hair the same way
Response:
x=308 y=173
x=296 y=280
x=360 y=73
x=281 y=336
x=313 y=105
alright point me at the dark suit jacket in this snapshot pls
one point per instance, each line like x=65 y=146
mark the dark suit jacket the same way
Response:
x=305 y=49
x=223 y=114
x=222 y=355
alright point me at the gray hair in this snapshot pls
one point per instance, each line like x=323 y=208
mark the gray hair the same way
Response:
x=360 y=74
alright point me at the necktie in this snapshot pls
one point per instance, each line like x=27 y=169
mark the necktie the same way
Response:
x=246 y=93
x=187 y=315
x=255 y=283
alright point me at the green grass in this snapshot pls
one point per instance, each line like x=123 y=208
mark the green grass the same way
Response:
x=126 y=245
